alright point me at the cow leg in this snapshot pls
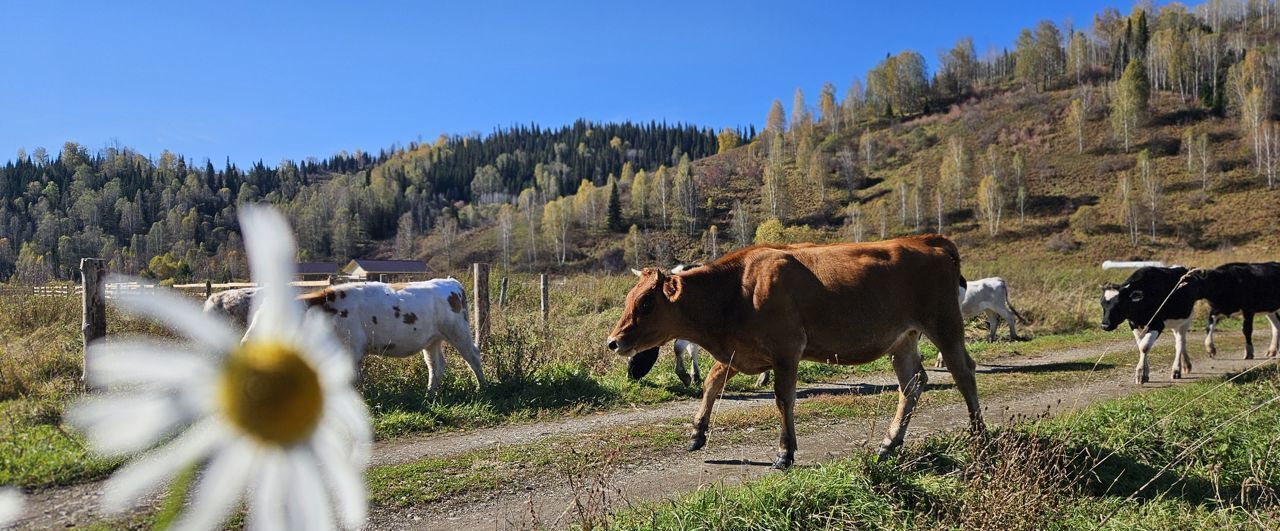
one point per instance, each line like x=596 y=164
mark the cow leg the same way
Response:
x=711 y=389
x=763 y=379
x=1145 y=343
x=950 y=342
x=911 y=381
x=693 y=360
x=1275 y=334
x=1209 y=349
x=459 y=335
x=681 y=373
x=1247 y=328
x=1008 y=318
x=992 y=322
x=434 y=356
x=784 y=395
x=1180 y=360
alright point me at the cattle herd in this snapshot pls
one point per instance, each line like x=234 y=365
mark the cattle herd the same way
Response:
x=1155 y=298
x=765 y=308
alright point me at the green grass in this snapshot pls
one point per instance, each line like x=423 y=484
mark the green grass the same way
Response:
x=1179 y=458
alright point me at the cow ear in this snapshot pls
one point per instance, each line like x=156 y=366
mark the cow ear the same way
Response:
x=1136 y=295
x=672 y=286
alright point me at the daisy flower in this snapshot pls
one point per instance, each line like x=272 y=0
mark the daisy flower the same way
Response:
x=272 y=419
x=11 y=503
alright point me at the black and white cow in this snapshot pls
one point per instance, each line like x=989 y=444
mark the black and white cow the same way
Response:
x=1141 y=300
x=1245 y=288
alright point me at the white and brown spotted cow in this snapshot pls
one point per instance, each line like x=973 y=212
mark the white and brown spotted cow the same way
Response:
x=400 y=320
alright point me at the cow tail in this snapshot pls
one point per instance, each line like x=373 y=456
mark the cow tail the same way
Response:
x=1009 y=303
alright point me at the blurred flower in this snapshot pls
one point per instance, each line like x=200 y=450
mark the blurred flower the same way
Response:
x=11 y=503
x=272 y=418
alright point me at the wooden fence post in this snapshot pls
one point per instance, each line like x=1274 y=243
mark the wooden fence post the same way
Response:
x=542 y=289
x=502 y=293
x=93 y=326
x=208 y=289
x=480 y=289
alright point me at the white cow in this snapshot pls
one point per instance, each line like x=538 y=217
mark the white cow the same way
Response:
x=989 y=296
x=400 y=320
x=235 y=304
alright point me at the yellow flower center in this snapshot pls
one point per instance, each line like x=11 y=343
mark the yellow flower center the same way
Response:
x=270 y=392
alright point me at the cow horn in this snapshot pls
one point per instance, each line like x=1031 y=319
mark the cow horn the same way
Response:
x=636 y=272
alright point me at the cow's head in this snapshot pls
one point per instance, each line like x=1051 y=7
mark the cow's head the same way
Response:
x=649 y=315
x=1117 y=302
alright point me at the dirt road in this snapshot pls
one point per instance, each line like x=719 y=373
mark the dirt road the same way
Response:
x=552 y=503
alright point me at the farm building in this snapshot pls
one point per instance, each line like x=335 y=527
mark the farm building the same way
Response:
x=384 y=270
x=317 y=270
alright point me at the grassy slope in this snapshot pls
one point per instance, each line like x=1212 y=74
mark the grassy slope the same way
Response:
x=1179 y=458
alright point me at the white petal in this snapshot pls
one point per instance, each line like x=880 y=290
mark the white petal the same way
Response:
x=342 y=477
x=123 y=424
x=308 y=507
x=266 y=510
x=318 y=342
x=220 y=487
x=145 y=474
x=11 y=504
x=181 y=314
x=269 y=244
x=346 y=414
x=142 y=362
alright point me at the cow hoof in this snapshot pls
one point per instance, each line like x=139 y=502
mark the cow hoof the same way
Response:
x=1212 y=353
x=1271 y=353
x=1141 y=378
x=1177 y=375
x=684 y=379
x=885 y=452
x=697 y=443
x=782 y=462
x=939 y=364
x=1248 y=355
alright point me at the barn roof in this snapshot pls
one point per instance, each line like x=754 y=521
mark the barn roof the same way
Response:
x=386 y=266
x=317 y=268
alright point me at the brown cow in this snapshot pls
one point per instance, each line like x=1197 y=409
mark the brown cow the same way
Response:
x=768 y=307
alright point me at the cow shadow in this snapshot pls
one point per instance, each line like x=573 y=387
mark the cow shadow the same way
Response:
x=857 y=389
x=1063 y=366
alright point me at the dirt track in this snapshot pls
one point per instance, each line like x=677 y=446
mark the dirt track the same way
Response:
x=662 y=476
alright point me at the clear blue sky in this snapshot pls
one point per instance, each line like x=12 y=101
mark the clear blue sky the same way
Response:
x=251 y=81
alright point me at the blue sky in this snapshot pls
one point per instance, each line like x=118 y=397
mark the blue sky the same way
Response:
x=249 y=81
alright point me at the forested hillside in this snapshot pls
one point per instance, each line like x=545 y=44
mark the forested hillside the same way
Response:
x=169 y=218
x=1140 y=135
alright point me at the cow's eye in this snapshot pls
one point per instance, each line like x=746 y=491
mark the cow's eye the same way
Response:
x=1135 y=296
x=646 y=305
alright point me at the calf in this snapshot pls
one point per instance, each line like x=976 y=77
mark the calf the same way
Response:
x=1244 y=288
x=400 y=320
x=769 y=307
x=989 y=296
x=1152 y=299
x=235 y=304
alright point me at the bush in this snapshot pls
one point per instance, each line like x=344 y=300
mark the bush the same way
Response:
x=1061 y=242
x=1085 y=220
